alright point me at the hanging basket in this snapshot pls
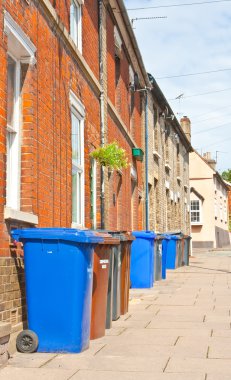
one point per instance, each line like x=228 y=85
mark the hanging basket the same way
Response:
x=111 y=156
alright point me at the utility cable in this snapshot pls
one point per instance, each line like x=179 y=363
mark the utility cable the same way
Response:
x=192 y=74
x=218 y=142
x=203 y=93
x=178 y=5
x=210 y=129
x=207 y=113
x=209 y=118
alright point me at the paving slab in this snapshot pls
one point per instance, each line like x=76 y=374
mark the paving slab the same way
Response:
x=35 y=360
x=12 y=373
x=184 y=317
x=160 y=324
x=111 y=375
x=136 y=350
x=189 y=347
x=221 y=333
x=144 y=336
x=197 y=365
x=142 y=315
x=114 y=331
x=132 y=323
x=110 y=363
x=220 y=348
x=218 y=376
x=150 y=334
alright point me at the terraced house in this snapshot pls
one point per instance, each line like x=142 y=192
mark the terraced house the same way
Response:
x=66 y=87
x=168 y=171
x=72 y=79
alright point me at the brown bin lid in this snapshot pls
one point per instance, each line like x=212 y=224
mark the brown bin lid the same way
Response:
x=129 y=235
x=108 y=239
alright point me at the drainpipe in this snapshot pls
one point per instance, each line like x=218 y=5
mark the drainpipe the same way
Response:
x=146 y=164
x=145 y=90
x=102 y=114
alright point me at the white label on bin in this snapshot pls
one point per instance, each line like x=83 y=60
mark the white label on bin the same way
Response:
x=104 y=266
x=49 y=251
x=104 y=261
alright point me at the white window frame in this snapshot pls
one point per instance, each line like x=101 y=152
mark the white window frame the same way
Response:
x=21 y=50
x=94 y=192
x=14 y=146
x=199 y=222
x=76 y=22
x=78 y=110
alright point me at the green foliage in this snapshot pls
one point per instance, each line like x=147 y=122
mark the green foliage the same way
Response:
x=111 y=156
x=226 y=175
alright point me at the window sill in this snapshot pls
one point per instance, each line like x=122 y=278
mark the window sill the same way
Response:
x=77 y=226
x=21 y=216
x=156 y=154
x=167 y=167
x=197 y=223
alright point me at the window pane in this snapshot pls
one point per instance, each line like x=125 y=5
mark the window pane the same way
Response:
x=74 y=21
x=77 y=169
x=79 y=204
x=76 y=143
x=195 y=205
x=74 y=198
x=195 y=216
x=11 y=69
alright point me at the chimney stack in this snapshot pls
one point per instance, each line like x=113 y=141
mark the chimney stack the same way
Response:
x=186 y=126
x=210 y=161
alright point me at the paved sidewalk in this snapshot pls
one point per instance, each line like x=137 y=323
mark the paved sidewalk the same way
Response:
x=179 y=330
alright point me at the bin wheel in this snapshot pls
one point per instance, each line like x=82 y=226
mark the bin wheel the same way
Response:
x=27 y=341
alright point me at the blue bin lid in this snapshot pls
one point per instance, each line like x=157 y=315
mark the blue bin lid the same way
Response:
x=175 y=237
x=144 y=234
x=68 y=234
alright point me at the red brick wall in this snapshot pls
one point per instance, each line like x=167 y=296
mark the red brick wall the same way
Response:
x=46 y=128
x=90 y=35
x=46 y=135
x=120 y=190
x=120 y=186
x=111 y=88
x=89 y=28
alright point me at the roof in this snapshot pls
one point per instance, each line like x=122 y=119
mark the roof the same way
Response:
x=159 y=96
x=215 y=173
x=193 y=190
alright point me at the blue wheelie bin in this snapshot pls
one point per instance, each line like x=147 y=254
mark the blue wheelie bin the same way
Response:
x=58 y=275
x=165 y=241
x=142 y=259
x=172 y=252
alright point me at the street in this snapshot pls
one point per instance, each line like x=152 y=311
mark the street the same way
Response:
x=179 y=330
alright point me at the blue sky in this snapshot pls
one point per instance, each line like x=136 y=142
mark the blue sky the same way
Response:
x=192 y=39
